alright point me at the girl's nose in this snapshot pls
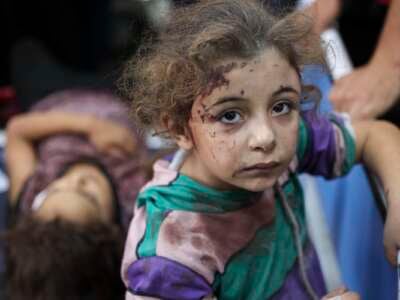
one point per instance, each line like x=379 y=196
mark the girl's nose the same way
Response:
x=262 y=138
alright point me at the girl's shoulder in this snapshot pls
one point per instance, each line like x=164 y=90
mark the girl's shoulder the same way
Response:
x=162 y=175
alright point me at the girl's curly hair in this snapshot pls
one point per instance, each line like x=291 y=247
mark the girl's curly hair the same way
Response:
x=170 y=71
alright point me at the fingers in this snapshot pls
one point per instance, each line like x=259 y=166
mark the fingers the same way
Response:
x=336 y=94
x=126 y=140
x=123 y=141
x=341 y=294
x=391 y=240
x=349 y=296
x=367 y=92
x=335 y=292
x=117 y=149
x=130 y=145
x=343 y=96
x=116 y=152
x=349 y=98
x=391 y=253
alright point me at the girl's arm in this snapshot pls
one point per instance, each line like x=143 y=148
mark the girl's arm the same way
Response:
x=378 y=147
x=24 y=130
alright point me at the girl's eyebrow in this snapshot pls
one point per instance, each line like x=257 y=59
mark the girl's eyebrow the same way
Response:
x=282 y=89
x=286 y=89
x=226 y=99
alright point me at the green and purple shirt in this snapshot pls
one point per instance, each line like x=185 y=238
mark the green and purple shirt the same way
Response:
x=188 y=241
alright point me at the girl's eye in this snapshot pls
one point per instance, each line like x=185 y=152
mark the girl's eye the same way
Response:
x=281 y=108
x=230 y=117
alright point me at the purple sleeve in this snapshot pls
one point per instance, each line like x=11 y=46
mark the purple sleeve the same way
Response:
x=163 y=278
x=328 y=145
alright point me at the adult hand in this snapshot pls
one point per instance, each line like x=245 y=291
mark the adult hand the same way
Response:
x=112 y=138
x=368 y=91
x=341 y=294
x=391 y=236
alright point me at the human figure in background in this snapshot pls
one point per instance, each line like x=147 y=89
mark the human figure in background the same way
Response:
x=373 y=88
x=75 y=165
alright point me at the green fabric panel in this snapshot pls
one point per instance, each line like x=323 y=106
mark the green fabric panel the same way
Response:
x=155 y=216
x=350 y=152
x=302 y=140
x=187 y=194
x=265 y=262
x=184 y=194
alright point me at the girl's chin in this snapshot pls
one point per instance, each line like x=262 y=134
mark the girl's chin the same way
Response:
x=259 y=185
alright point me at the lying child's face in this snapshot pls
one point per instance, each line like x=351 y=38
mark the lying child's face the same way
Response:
x=83 y=194
x=244 y=127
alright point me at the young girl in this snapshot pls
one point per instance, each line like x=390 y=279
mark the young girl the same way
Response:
x=223 y=82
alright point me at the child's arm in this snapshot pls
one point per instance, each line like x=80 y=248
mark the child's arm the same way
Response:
x=378 y=147
x=24 y=130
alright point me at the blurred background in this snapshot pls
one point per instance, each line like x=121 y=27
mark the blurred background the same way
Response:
x=54 y=45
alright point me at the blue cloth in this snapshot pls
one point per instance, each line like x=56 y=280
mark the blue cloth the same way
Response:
x=355 y=223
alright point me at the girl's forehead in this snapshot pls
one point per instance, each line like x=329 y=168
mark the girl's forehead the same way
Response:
x=265 y=72
x=270 y=55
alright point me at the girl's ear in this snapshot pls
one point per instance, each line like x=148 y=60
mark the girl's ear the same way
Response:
x=183 y=140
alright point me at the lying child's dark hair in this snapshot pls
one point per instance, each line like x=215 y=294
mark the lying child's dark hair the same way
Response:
x=61 y=260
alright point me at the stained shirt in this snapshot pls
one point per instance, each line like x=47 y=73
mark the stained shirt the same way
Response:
x=188 y=241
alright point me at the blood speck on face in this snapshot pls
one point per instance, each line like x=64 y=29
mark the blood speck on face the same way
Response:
x=217 y=78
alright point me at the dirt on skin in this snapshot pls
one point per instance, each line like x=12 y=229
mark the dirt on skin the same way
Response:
x=217 y=78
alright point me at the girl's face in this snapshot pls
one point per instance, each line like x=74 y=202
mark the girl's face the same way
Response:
x=243 y=129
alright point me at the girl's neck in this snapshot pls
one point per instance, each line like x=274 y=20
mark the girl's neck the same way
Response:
x=197 y=171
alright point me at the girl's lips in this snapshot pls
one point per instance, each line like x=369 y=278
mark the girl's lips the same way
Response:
x=259 y=169
x=261 y=166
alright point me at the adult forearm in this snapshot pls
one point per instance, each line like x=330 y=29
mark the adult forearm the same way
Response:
x=36 y=125
x=380 y=152
x=388 y=47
